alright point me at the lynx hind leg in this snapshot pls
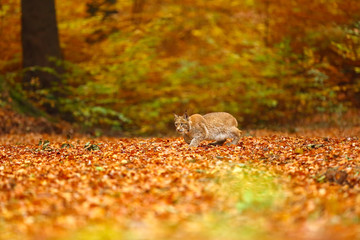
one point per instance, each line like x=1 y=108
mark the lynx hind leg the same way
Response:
x=235 y=134
x=218 y=143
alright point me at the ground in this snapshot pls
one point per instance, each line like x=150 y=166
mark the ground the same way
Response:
x=269 y=186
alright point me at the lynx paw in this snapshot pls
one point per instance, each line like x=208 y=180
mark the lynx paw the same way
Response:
x=217 y=143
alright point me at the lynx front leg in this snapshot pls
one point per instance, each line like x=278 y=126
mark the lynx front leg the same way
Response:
x=187 y=139
x=195 y=142
x=235 y=134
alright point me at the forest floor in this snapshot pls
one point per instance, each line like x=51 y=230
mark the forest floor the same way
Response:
x=270 y=186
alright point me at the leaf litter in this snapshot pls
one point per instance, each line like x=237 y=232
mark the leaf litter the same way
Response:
x=158 y=188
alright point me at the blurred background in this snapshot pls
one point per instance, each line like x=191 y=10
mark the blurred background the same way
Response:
x=126 y=66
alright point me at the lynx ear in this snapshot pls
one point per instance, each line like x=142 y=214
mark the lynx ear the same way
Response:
x=186 y=116
x=176 y=116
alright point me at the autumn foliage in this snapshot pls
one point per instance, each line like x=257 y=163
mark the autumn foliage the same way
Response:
x=131 y=64
x=264 y=187
x=128 y=66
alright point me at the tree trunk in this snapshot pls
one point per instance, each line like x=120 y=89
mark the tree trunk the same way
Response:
x=40 y=41
x=137 y=9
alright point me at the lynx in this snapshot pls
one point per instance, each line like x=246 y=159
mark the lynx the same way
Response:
x=217 y=126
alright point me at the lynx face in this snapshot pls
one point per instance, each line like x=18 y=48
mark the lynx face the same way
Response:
x=182 y=124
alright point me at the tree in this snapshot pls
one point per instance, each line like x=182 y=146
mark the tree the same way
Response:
x=138 y=7
x=40 y=42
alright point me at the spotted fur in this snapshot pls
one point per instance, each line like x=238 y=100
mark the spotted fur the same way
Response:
x=217 y=126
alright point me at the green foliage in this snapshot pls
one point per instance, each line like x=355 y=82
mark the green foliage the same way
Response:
x=253 y=189
x=91 y=146
x=67 y=145
x=45 y=145
x=73 y=98
x=12 y=95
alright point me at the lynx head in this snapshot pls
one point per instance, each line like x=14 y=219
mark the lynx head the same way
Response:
x=182 y=123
